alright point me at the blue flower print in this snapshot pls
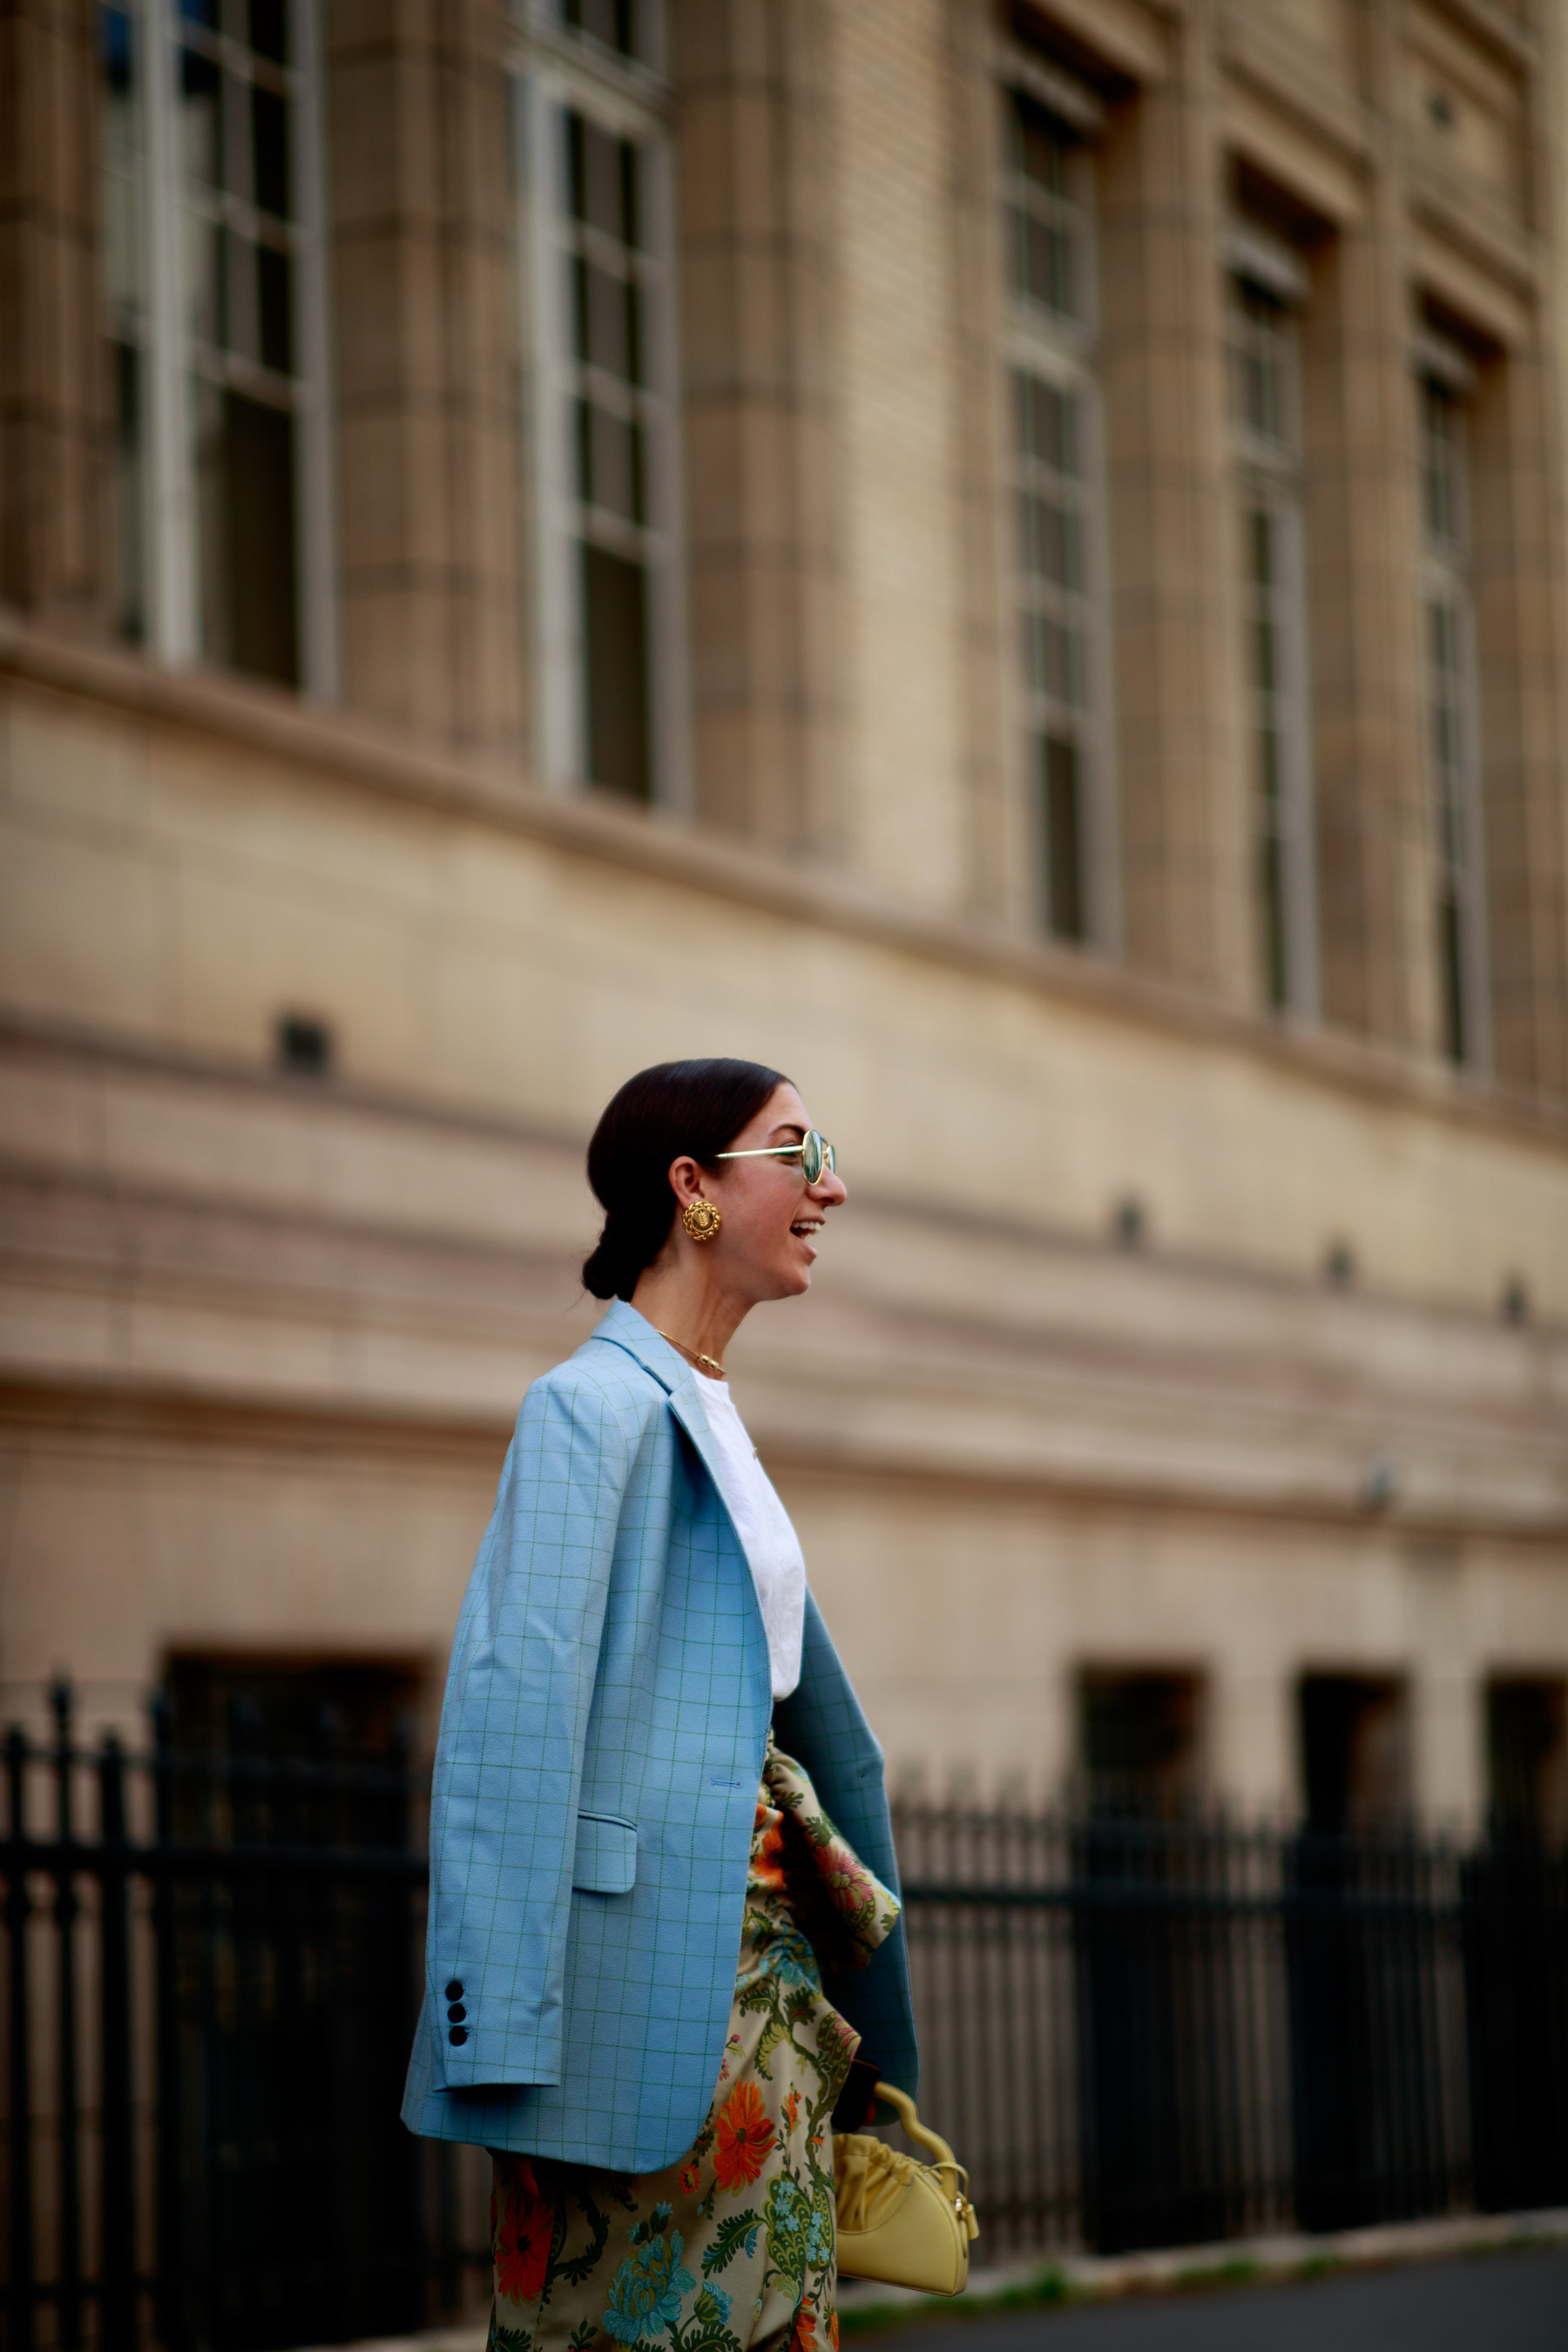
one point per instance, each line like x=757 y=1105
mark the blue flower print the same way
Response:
x=820 y=2231
x=645 y=2295
x=786 y=1954
x=788 y=2215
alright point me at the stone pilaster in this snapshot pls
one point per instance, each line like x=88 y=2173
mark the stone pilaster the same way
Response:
x=1517 y=502
x=897 y=431
x=426 y=367
x=1182 y=813
x=1001 y=877
x=754 y=326
x=53 y=386
x=1363 y=531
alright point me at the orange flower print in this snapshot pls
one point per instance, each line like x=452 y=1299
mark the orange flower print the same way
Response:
x=767 y=1852
x=805 y=2337
x=792 y=2109
x=520 y=2233
x=832 y=2329
x=689 y=2176
x=745 y=2138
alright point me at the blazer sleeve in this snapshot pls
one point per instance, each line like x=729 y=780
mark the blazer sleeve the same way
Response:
x=510 y=1755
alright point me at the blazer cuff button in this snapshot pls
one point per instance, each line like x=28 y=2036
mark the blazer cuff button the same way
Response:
x=456 y=2013
x=457 y=2035
x=454 y=1990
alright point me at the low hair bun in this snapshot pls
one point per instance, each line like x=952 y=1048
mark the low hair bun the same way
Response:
x=674 y=1111
x=611 y=1269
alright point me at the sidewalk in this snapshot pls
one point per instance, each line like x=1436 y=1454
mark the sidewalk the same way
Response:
x=1004 y=2299
x=1503 y=2301
x=1091 y=2278
x=1509 y=2300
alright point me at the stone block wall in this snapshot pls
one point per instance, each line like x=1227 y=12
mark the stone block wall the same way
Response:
x=1163 y=1329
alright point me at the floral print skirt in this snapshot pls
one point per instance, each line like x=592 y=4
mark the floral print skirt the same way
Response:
x=734 y=2246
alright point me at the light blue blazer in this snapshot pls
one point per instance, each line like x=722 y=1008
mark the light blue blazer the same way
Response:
x=602 y=1739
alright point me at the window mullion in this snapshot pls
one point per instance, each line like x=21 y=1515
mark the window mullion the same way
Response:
x=1301 y=909
x=558 y=625
x=1453 y=729
x=668 y=619
x=315 y=507
x=172 y=600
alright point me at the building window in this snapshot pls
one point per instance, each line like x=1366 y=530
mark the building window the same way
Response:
x=1527 y=1757
x=1452 y=735
x=122 y=205
x=1139 y=1745
x=212 y=247
x=1052 y=241
x=629 y=28
x=1355 y=1751
x=1058 y=491
x=606 y=458
x=284 y=1706
x=1266 y=437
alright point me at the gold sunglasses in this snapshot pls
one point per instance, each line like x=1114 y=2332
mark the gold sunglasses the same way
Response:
x=815 y=1155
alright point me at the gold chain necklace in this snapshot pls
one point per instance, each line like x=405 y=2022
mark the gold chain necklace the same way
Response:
x=708 y=1363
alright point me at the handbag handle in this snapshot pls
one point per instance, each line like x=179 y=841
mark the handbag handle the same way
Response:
x=904 y=2108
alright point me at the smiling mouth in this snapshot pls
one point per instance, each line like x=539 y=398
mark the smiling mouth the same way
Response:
x=806 y=1228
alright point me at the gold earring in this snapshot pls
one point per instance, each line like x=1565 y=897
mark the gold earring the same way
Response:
x=701 y=1219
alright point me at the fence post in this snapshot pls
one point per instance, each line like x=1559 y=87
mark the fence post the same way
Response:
x=66 y=1908
x=171 y=2319
x=21 y=2149
x=117 y=2277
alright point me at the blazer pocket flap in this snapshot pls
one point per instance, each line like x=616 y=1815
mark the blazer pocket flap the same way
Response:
x=606 y=1862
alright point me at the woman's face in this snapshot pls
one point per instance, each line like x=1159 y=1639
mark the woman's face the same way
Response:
x=773 y=1218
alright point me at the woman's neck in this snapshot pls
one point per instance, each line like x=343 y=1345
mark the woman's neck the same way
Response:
x=684 y=1305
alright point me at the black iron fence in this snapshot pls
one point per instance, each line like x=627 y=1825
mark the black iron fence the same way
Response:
x=1137 y=2033
x=213 y=1964
x=1146 y=2033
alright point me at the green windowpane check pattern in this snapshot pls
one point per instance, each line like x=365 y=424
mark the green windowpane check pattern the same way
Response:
x=606 y=1718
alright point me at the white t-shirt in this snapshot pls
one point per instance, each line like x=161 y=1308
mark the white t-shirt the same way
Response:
x=768 y=1540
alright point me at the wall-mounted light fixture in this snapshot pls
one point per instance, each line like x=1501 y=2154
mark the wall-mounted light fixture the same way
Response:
x=1338 y=1265
x=305 y=1046
x=1129 y=1222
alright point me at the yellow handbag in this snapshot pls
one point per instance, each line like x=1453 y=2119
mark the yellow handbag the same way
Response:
x=905 y=2224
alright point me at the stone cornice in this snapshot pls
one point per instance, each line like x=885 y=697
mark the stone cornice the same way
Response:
x=69 y=1157
x=1020 y=1361
x=372 y=759
x=1284 y=71
x=147 y=1413
x=1126 y=36
x=1478 y=228
x=1495 y=28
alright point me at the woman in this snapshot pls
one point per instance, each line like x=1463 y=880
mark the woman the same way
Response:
x=654 y=1948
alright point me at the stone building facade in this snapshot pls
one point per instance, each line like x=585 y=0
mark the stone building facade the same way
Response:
x=1008 y=560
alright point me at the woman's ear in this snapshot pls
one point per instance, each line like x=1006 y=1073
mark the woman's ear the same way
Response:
x=685 y=1180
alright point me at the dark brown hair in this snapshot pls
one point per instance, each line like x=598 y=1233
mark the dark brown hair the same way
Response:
x=677 y=1109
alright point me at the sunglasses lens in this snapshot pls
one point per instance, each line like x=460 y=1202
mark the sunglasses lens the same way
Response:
x=811 y=1155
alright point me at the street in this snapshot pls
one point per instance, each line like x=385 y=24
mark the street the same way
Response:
x=1497 y=2303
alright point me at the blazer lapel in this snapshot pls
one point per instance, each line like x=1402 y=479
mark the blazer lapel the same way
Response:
x=623 y=1326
